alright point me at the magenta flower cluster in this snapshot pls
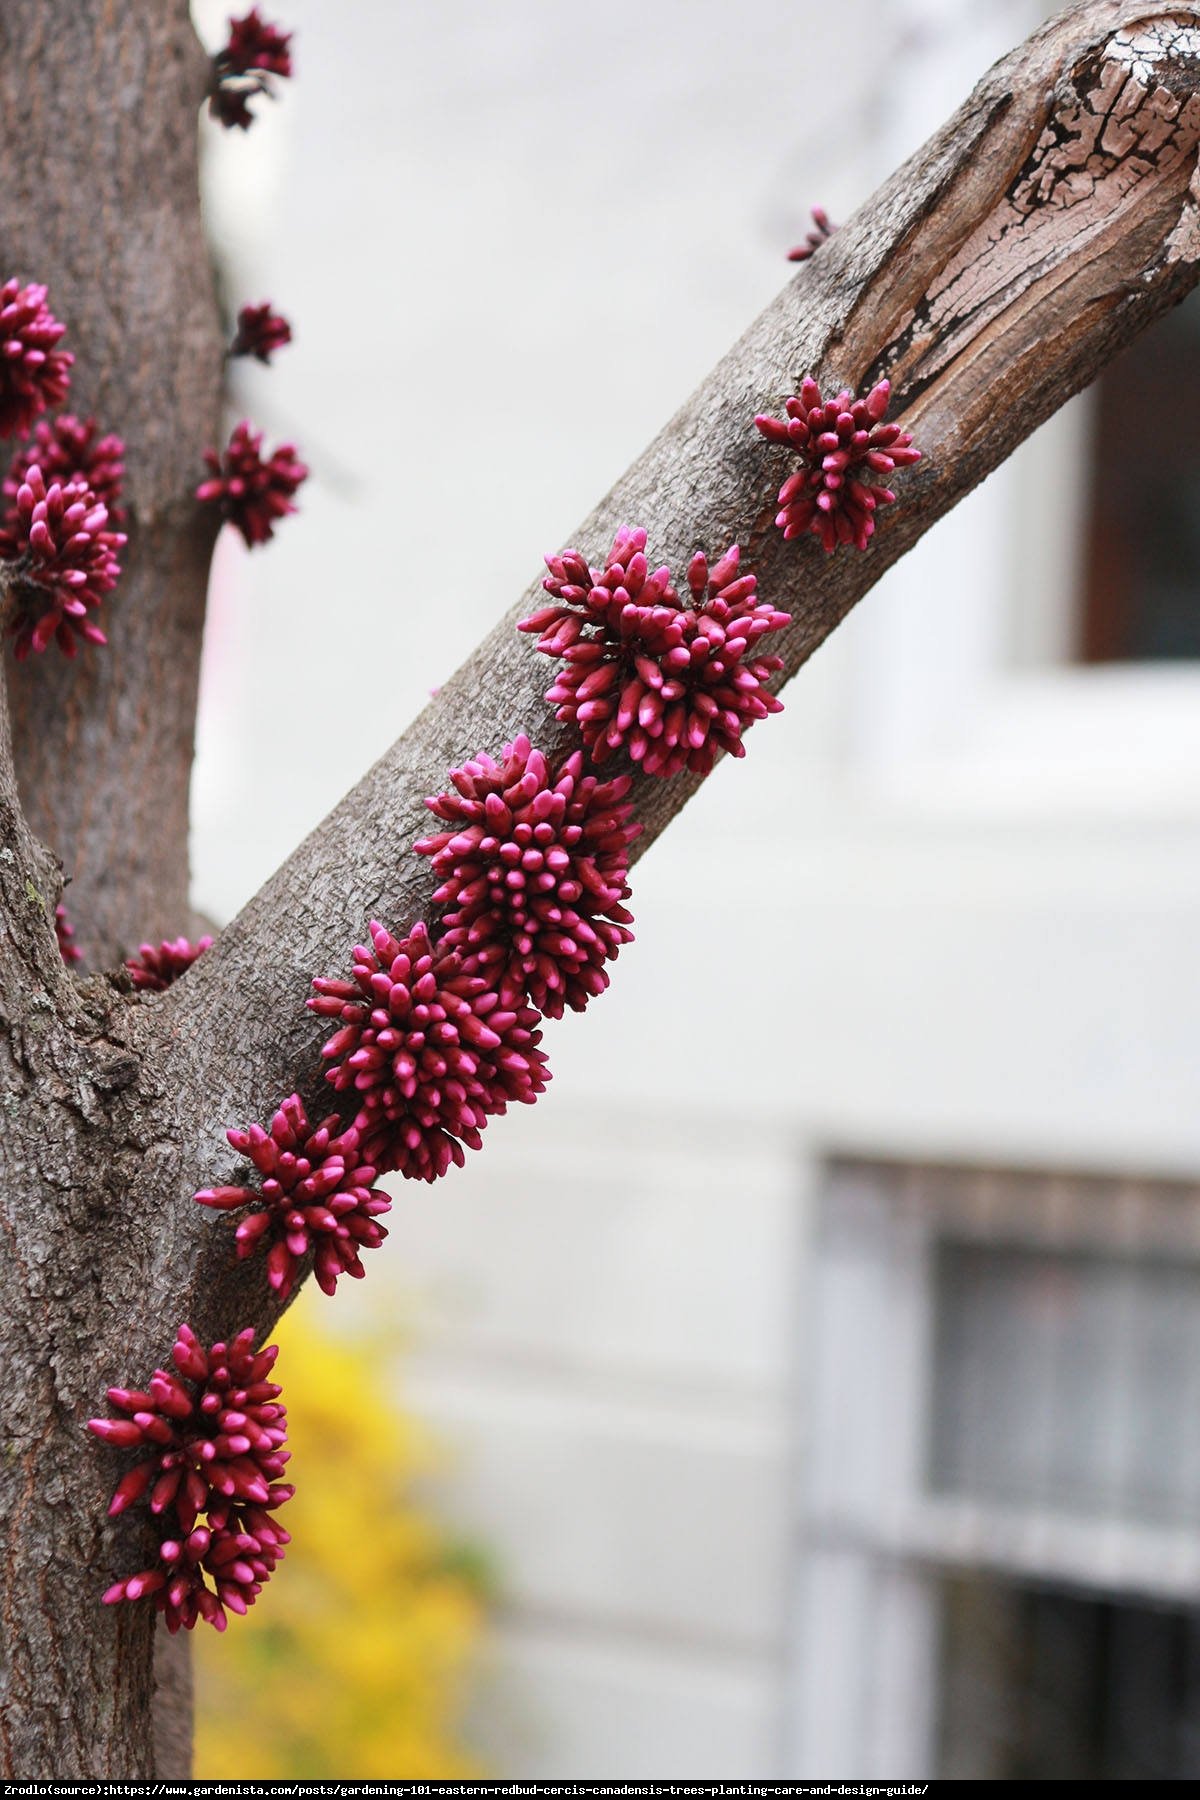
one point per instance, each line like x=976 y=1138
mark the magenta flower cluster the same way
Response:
x=67 y=449
x=254 y=54
x=843 y=448
x=65 y=561
x=260 y=332
x=64 y=931
x=822 y=230
x=34 y=372
x=61 y=492
x=157 y=966
x=671 y=682
x=429 y=1052
x=315 y=1194
x=254 y=492
x=212 y=1435
x=534 y=872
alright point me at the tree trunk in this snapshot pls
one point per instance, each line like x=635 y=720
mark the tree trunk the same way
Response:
x=1048 y=222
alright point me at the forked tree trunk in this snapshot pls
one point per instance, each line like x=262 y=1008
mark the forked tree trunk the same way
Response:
x=1046 y=224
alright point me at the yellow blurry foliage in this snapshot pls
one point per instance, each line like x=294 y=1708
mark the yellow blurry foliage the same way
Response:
x=356 y=1659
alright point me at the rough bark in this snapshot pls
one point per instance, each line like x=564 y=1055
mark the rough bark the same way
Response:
x=100 y=200
x=1049 y=221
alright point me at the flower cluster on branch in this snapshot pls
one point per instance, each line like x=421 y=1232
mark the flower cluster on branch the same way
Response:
x=213 y=1436
x=672 y=683
x=843 y=447
x=157 y=966
x=254 y=492
x=260 y=332
x=252 y=57
x=534 y=873
x=315 y=1194
x=67 y=449
x=64 y=560
x=34 y=372
x=429 y=1052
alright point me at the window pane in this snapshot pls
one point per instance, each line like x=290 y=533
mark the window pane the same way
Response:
x=1068 y=1382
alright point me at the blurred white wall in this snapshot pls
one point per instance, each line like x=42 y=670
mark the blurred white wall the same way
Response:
x=962 y=879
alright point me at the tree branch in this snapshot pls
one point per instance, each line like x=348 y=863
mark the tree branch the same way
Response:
x=1051 y=220
x=100 y=200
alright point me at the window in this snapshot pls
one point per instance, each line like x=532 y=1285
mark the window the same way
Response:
x=1141 y=599
x=1001 y=1481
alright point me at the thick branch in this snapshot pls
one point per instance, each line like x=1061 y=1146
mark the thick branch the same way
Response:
x=1052 y=219
x=98 y=109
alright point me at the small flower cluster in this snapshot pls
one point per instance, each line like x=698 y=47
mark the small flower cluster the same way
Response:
x=255 y=53
x=34 y=372
x=315 y=1194
x=823 y=229
x=65 y=561
x=429 y=1052
x=156 y=966
x=533 y=873
x=64 y=931
x=67 y=449
x=61 y=492
x=254 y=492
x=213 y=1434
x=842 y=446
x=260 y=332
x=671 y=683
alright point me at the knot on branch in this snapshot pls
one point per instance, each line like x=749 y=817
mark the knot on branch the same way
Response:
x=1090 y=205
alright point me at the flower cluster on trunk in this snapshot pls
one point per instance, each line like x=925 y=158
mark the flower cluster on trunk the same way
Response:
x=213 y=1438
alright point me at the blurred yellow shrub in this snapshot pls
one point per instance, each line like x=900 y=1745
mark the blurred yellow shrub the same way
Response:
x=356 y=1659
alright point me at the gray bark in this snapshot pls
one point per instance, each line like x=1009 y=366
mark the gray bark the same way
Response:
x=1053 y=217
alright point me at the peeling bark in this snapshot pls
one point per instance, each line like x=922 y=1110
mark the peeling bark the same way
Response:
x=1055 y=216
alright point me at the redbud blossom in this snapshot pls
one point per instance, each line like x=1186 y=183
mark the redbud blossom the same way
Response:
x=156 y=966
x=64 y=931
x=260 y=332
x=254 y=52
x=843 y=448
x=315 y=1194
x=65 y=561
x=823 y=229
x=34 y=372
x=533 y=872
x=253 y=494
x=672 y=684
x=429 y=1052
x=67 y=449
x=215 y=1437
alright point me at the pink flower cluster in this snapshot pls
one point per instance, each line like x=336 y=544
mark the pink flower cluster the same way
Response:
x=67 y=449
x=843 y=447
x=34 y=372
x=429 y=1052
x=214 y=1435
x=254 y=492
x=66 y=561
x=156 y=966
x=533 y=874
x=672 y=684
x=823 y=229
x=315 y=1193
x=254 y=53
x=260 y=332
x=64 y=931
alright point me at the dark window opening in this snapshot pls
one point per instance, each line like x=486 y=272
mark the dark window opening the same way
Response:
x=1039 y=1684
x=1141 y=567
